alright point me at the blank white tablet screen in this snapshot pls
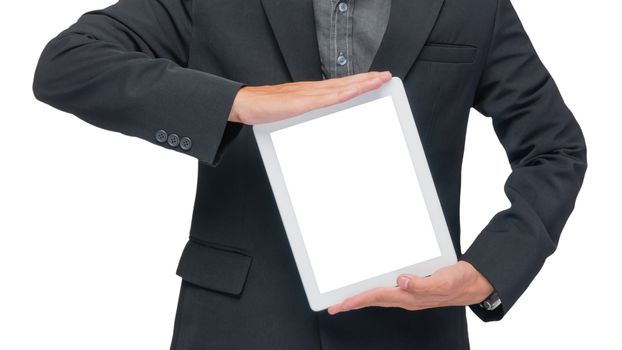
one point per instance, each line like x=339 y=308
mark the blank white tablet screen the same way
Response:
x=355 y=194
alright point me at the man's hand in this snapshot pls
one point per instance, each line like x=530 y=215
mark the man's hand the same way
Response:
x=269 y=103
x=456 y=285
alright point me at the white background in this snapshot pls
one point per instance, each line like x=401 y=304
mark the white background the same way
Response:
x=92 y=222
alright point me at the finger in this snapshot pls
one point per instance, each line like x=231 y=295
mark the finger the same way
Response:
x=334 y=85
x=416 y=284
x=300 y=104
x=343 y=94
x=385 y=297
x=352 y=79
x=335 y=309
x=305 y=103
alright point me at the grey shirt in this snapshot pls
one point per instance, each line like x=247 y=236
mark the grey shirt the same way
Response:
x=349 y=34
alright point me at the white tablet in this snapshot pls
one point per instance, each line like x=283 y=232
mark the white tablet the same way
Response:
x=355 y=194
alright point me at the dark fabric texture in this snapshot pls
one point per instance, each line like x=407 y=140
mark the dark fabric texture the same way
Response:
x=143 y=65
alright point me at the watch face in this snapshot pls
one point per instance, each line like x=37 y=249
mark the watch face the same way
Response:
x=492 y=302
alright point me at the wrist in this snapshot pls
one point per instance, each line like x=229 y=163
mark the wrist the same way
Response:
x=477 y=288
x=234 y=114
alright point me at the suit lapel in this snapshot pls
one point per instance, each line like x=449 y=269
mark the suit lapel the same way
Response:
x=410 y=23
x=293 y=25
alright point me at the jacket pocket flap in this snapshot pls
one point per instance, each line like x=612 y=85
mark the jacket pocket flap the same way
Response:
x=448 y=53
x=214 y=267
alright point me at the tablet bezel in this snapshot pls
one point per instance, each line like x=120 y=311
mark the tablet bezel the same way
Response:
x=317 y=301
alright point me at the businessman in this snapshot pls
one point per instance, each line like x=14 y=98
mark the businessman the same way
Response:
x=193 y=76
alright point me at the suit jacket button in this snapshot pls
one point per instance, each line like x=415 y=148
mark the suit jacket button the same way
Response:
x=186 y=143
x=173 y=140
x=161 y=136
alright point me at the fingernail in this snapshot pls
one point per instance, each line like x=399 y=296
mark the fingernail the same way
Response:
x=403 y=282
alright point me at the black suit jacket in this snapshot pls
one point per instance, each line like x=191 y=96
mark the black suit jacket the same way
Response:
x=141 y=66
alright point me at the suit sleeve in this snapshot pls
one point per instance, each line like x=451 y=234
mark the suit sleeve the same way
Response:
x=547 y=153
x=123 y=68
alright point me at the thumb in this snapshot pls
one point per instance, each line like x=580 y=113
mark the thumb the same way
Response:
x=407 y=282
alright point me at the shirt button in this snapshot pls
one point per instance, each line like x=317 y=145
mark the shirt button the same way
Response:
x=173 y=140
x=343 y=7
x=161 y=136
x=185 y=143
x=341 y=59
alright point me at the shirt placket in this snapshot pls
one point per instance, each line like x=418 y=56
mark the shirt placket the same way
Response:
x=341 y=37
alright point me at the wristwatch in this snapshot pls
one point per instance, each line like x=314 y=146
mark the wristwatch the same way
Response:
x=492 y=302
